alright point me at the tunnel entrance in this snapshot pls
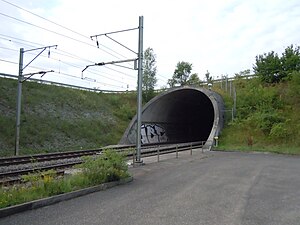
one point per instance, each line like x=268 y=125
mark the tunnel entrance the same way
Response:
x=177 y=116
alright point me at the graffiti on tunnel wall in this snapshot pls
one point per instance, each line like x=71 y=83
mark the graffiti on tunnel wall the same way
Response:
x=153 y=133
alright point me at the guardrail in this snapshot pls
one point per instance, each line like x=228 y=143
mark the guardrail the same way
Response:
x=4 y=75
x=175 y=148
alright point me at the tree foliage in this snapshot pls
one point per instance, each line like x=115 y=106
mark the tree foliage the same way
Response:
x=243 y=73
x=149 y=74
x=272 y=69
x=181 y=74
x=194 y=79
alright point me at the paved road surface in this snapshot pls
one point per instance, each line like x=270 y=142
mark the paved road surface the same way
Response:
x=210 y=188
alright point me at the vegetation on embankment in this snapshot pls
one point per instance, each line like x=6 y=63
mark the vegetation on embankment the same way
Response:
x=59 y=119
x=267 y=116
x=108 y=167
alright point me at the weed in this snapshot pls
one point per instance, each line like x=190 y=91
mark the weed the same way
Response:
x=110 y=166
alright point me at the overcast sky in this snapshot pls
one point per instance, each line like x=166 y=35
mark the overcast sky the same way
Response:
x=221 y=36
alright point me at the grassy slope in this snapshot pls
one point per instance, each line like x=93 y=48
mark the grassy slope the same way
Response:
x=268 y=117
x=58 y=119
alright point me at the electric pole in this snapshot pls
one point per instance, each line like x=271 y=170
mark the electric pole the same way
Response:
x=19 y=95
x=139 y=58
x=139 y=97
x=21 y=79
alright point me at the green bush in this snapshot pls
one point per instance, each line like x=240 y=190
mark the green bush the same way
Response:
x=266 y=120
x=279 y=131
x=109 y=166
x=125 y=112
x=267 y=114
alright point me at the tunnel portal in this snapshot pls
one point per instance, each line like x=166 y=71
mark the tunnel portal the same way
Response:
x=178 y=116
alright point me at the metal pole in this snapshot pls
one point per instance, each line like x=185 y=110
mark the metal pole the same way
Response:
x=139 y=97
x=234 y=101
x=19 y=96
x=226 y=83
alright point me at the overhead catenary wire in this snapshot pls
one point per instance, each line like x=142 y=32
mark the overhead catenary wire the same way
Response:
x=54 y=32
x=65 y=74
x=66 y=36
x=69 y=75
x=7 y=61
x=117 y=71
x=72 y=65
x=92 y=72
x=57 y=51
x=67 y=54
x=59 y=25
x=78 y=66
x=41 y=17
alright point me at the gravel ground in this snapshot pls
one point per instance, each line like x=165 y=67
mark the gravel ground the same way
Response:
x=37 y=164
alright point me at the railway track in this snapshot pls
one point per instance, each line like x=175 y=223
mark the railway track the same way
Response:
x=8 y=161
x=35 y=162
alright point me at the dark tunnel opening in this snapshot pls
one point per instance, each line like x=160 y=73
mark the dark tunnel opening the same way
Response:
x=190 y=117
x=178 y=116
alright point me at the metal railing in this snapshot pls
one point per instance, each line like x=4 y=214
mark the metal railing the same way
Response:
x=159 y=150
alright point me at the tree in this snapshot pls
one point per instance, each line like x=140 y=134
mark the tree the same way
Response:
x=243 y=73
x=268 y=67
x=181 y=74
x=149 y=74
x=272 y=69
x=290 y=60
x=194 y=79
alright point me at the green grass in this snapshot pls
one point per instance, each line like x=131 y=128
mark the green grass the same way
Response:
x=267 y=119
x=110 y=166
x=61 y=119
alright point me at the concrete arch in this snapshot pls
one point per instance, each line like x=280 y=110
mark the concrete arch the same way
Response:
x=184 y=114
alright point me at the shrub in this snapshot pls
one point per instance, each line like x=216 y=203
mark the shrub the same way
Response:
x=109 y=166
x=279 y=130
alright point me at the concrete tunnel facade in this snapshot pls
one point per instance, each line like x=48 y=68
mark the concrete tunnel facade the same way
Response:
x=180 y=115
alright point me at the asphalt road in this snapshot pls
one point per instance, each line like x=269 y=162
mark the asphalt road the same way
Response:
x=210 y=188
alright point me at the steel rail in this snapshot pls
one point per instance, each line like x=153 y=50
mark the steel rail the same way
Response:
x=147 y=151
x=16 y=160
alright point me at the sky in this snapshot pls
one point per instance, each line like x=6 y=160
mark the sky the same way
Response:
x=219 y=36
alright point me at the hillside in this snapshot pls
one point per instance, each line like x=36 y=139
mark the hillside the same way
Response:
x=58 y=119
x=267 y=116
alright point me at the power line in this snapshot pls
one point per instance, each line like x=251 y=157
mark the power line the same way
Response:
x=80 y=67
x=117 y=71
x=72 y=76
x=44 y=18
x=10 y=49
x=54 y=32
x=3 y=60
x=57 y=33
x=93 y=81
x=7 y=36
x=71 y=55
x=97 y=74
x=73 y=65
x=9 y=40
x=67 y=54
x=64 y=27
